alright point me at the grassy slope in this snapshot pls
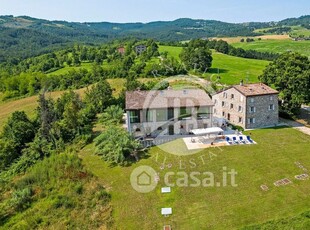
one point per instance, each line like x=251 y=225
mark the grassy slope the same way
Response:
x=215 y=208
x=29 y=104
x=232 y=69
x=66 y=69
x=277 y=46
x=64 y=196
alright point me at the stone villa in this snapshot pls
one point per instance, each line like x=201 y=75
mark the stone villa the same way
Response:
x=167 y=112
x=249 y=106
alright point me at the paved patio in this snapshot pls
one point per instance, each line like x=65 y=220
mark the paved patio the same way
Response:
x=200 y=142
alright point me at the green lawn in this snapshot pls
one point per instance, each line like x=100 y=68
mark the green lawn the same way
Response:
x=231 y=69
x=214 y=207
x=276 y=46
x=66 y=69
x=172 y=51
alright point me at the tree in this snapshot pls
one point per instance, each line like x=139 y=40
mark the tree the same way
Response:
x=290 y=74
x=113 y=114
x=99 y=95
x=8 y=153
x=45 y=115
x=222 y=47
x=197 y=55
x=19 y=129
x=115 y=144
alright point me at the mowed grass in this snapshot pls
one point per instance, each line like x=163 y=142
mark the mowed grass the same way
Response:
x=230 y=69
x=234 y=69
x=66 y=69
x=200 y=207
x=276 y=46
x=173 y=51
x=30 y=104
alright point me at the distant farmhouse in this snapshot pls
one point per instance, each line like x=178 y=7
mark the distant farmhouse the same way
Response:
x=121 y=50
x=249 y=106
x=167 y=112
x=140 y=49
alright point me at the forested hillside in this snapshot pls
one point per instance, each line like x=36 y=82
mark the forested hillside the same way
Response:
x=24 y=36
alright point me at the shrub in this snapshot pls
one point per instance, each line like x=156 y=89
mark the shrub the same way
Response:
x=21 y=199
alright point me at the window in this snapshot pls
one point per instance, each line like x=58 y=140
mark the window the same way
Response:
x=225 y=95
x=231 y=106
x=252 y=109
x=271 y=107
x=215 y=102
x=203 y=112
x=149 y=115
x=223 y=114
x=232 y=96
x=185 y=112
x=240 y=108
x=161 y=115
x=214 y=111
x=170 y=113
x=223 y=103
x=252 y=99
x=251 y=121
x=271 y=98
x=134 y=116
x=240 y=119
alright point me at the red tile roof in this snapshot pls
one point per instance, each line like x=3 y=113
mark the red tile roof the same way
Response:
x=255 y=89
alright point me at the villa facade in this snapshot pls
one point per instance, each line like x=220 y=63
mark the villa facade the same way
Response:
x=167 y=112
x=249 y=106
x=140 y=49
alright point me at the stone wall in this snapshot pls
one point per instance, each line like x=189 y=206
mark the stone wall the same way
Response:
x=232 y=112
x=237 y=109
x=264 y=116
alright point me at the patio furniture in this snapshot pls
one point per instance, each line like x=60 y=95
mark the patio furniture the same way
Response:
x=249 y=139
x=166 y=211
x=165 y=190
x=242 y=140
x=228 y=140
x=235 y=140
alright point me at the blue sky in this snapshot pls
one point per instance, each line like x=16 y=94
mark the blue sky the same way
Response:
x=154 y=10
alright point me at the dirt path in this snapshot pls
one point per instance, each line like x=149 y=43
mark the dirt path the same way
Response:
x=297 y=125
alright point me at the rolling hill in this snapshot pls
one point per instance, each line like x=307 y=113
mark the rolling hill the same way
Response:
x=24 y=36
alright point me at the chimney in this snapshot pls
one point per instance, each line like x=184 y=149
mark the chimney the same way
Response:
x=241 y=82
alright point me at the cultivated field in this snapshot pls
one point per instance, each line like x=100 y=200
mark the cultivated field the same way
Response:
x=272 y=159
